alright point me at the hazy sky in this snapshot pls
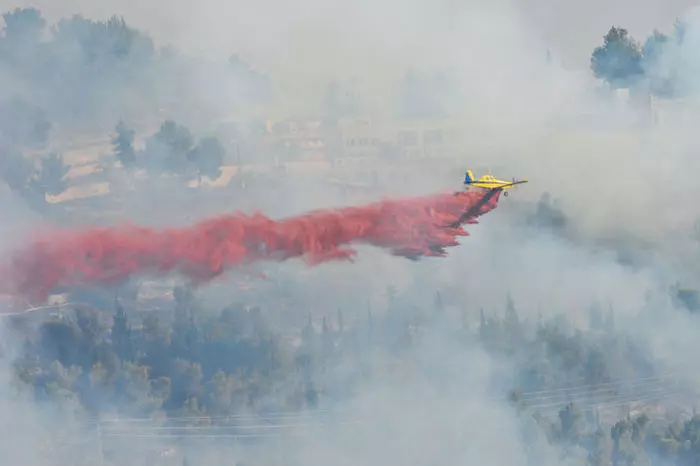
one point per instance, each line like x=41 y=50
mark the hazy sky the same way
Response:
x=263 y=29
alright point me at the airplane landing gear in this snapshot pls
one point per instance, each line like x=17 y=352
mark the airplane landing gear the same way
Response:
x=505 y=193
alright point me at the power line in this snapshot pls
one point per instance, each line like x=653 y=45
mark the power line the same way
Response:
x=279 y=430
x=564 y=394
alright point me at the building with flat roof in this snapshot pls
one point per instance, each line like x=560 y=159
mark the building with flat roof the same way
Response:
x=359 y=137
x=296 y=139
x=424 y=138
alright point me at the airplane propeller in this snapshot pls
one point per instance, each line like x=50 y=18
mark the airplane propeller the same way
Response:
x=514 y=183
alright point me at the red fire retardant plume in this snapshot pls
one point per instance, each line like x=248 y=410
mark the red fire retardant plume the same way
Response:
x=106 y=256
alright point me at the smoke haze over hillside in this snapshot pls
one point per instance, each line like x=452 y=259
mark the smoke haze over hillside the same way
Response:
x=618 y=231
x=249 y=27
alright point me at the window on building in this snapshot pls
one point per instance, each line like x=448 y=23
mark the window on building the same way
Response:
x=408 y=138
x=432 y=136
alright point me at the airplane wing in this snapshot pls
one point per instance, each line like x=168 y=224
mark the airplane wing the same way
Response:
x=513 y=183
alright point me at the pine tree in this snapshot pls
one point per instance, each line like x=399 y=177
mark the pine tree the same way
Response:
x=439 y=305
x=512 y=321
x=123 y=144
x=308 y=332
x=121 y=334
x=482 y=322
x=511 y=314
x=370 y=322
x=340 y=321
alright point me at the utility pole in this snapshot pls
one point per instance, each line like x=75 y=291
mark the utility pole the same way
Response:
x=100 y=442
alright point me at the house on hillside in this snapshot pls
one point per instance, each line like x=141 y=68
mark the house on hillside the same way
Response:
x=296 y=140
x=679 y=113
x=424 y=138
x=359 y=137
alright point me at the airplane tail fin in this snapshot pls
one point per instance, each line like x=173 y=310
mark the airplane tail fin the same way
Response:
x=468 y=177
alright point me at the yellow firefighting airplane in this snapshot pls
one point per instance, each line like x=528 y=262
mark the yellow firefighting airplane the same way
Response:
x=489 y=182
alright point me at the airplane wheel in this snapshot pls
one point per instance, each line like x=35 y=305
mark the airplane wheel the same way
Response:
x=505 y=193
